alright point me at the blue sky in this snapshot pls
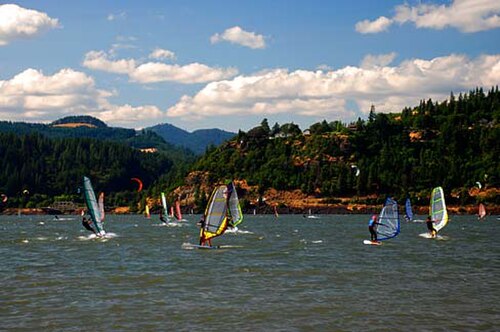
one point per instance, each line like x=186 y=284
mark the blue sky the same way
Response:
x=229 y=64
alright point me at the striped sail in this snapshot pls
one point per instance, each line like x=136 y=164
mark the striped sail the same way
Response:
x=92 y=205
x=215 y=214
x=234 y=206
x=388 y=225
x=438 y=209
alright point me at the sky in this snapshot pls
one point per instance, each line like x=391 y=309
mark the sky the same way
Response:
x=230 y=64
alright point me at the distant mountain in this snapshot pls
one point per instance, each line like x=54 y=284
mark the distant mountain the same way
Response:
x=197 y=141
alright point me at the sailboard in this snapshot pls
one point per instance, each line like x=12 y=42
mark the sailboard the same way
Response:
x=408 y=210
x=388 y=224
x=439 y=214
x=165 y=207
x=481 y=211
x=236 y=216
x=178 y=213
x=93 y=206
x=216 y=220
x=101 y=206
x=373 y=243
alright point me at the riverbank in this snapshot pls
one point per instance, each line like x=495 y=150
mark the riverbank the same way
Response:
x=269 y=209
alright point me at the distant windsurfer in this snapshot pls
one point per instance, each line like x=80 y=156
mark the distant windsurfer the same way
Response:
x=371 y=227
x=203 y=240
x=162 y=218
x=87 y=224
x=430 y=226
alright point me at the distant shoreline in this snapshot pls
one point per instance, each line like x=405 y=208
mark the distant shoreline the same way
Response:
x=268 y=210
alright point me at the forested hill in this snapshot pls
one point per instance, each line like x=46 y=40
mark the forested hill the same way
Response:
x=35 y=170
x=453 y=144
x=197 y=141
x=90 y=127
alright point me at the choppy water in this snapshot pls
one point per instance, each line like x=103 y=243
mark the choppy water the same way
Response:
x=289 y=274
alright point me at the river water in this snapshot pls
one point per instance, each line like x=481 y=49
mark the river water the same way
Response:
x=286 y=274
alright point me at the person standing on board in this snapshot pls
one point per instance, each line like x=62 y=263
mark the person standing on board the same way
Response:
x=371 y=227
x=430 y=226
x=86 y=224
x=162 y=218
x=202 y=224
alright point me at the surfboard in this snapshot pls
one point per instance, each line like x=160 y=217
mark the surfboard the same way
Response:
x=373 y=243
x=426 y=235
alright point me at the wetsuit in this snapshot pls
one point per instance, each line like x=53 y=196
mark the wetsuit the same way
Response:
x=430 y=227
x=87 y=226
x=371 y=228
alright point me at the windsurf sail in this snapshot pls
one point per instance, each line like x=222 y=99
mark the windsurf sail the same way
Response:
x=216 y=220
x=439 y=214
x=101 y=206
x=164 y=203
x=234 y=206
x=276 y=212
x=482 y=211
x=92 y=206
x=171 y=212
x=178 y=213
x=388 y=225
x=408 y=210
x=146 y=212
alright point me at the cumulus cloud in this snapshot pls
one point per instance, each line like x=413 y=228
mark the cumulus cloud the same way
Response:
x=380 y=60
x=18 y=22
x=465 y=15
x=328 y=93
x=34 y=96
x=153 y=72
x=162 y=54
x=237 y=35
x=380 y=24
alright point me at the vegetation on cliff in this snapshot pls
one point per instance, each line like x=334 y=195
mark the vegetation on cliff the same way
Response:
x=452 y=144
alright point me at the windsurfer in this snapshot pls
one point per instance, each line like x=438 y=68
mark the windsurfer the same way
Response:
x=371 y=227
x=202 y=224
x=86 y=224
x=430 y=226
x=162 y=218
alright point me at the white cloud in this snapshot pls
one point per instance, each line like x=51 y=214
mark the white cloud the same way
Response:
x=117 y=16
x=162 y=54
x=99 y=60
x=153 y=72
x=380 y=60
x=327 y=93
x=380 y=24
x=465 y=15
x=33 y=96
x=18 y=22
x=237 y=35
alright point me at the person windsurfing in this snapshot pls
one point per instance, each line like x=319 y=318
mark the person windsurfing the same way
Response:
x=371 y=227
x=430 y=226
x=203 y=240
x=162 y=218
x=87 y=224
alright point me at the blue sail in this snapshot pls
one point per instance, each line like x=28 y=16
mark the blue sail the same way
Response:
x=408 y=211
